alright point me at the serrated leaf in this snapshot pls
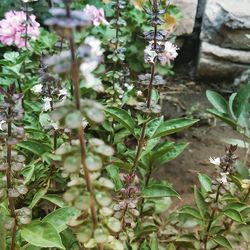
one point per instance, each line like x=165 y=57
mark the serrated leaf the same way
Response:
x=158 y=191
x=60 y=217
x=206 y=182
x=2 y=233
x=122 y=117
x=41 y=234
x=222 y=241
x=234 y=215
x=173 y=126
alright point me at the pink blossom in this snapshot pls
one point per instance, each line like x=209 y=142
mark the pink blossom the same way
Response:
x=13 y=28
x=169 y=53
x=96 y=15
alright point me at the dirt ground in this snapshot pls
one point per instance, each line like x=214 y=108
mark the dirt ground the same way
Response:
x=186 y=97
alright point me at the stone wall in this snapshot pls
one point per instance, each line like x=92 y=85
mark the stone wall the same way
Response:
x=224 y=50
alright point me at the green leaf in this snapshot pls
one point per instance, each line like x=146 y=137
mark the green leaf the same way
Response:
x=173 y=126
x=60 y=217
x=122 y=117
x=234 y=215
x=37 y=197
x=171 y=154
x=200 y=202
x=217 y=101
x=41 y=234
x=206 y=182
x=154 y=244
x=224 y=117
x=113 y=172
x=152 y=126
x=34 y=147
x=55 y=199
x=193 y=212
x=222 y=241
x=170 y=247
x=2 y=233
x=241 y=100
x=238 y=142
x=160 y=152
x=158 y=191
x=230 y=104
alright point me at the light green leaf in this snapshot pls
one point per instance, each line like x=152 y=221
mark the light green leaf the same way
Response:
x=206 y=182
x=224 y=117
x=37 y=197
x=234 y=215
x=34 y=147
x=173 y=126
x=171 y=247
x=200 y=202
x=60 y=217
x=2 y=232
x=241 y=100
x=113 y=172
x=55 y=199
x=193 y=212
x=171 y=154
x=222 y=241
x=217 y=101
x=158 y=191
x=41 y=234
x=122 y=117
x=152 y=126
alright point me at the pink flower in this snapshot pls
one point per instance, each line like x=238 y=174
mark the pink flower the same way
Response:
x=13 y=28
x=169 y=53
x=96 y=15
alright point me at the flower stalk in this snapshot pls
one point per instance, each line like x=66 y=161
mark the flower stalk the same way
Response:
x=81 y=135
x=9 y=183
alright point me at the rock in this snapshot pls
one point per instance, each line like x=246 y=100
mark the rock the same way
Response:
x=188 y=10
x=243 y=78
x=221 y=63
x=226 y=23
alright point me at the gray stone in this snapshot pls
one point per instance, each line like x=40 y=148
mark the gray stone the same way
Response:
x=226 y=23
x=188 y=10
x=221 y=63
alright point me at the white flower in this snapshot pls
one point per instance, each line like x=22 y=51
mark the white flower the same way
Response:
x=95 y=45
x=63 y=93
x=37 y=88
x=149 y=54
x=1 y=124
x=55 y=125
x=139 y=93
x=29 y=1
x=223 y=179
x=47 y=104
x=215 y=161
x=169 y=53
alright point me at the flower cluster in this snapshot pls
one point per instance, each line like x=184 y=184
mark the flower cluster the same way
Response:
x=96 y=15
x=165 y=52
x=15 y=28
x=125 y=209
